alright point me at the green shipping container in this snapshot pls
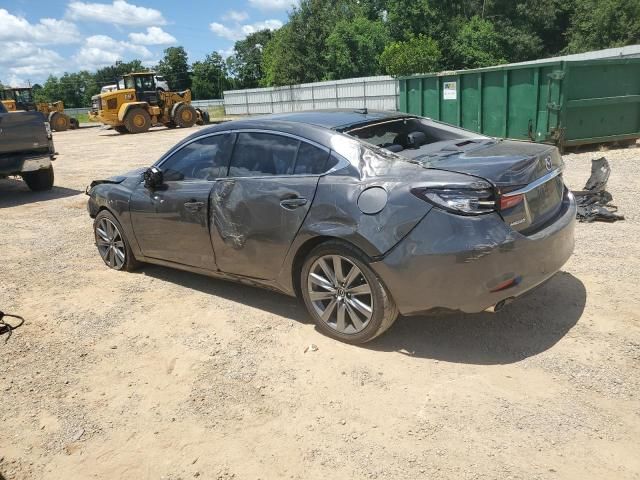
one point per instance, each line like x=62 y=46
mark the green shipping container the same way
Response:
x=563 y=102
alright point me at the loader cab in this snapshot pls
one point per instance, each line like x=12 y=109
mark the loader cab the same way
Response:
x=22 y=97
x=144 y=84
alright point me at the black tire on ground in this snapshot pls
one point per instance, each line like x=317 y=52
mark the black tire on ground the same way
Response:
x=59 y=122
x=39 y=180
x=205 y=117
x=383 y=309
x=185 y=116
x=137 y=120
x=121 y=129
x=129 y=263
x=170 y=125
x=73 y=123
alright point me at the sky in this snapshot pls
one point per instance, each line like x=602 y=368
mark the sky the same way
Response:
x=39 y=38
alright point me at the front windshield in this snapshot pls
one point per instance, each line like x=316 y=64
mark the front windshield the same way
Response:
x=130 y=82
x=145 y=83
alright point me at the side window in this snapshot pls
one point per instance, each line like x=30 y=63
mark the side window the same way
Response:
x=204 y=159
x=259 y=154
x=311 y=160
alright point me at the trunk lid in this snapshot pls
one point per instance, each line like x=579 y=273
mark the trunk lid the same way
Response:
x=515 y=168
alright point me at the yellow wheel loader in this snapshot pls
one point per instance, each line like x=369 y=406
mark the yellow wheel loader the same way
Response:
x=22 y=99
x=137 y=105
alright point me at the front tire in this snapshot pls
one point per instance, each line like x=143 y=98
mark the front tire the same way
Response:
x=343 y=295
x=113 y=246
x=39 y=180
x=185 y=116
x=59 y=122
x=137 y=120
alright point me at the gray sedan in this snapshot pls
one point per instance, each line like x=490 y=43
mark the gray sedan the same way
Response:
x=364 y=215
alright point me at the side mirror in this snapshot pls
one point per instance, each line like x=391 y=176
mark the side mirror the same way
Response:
x=153 y=177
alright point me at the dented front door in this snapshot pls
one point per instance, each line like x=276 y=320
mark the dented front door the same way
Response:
x=254 y=221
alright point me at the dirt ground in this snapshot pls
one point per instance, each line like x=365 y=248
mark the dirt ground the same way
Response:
x=160 y=374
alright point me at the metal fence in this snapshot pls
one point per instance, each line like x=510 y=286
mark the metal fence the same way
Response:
x=208 y=103
x=74 y=112
x=379 y=93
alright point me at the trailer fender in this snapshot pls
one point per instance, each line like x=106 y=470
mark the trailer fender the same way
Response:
x=122 y=112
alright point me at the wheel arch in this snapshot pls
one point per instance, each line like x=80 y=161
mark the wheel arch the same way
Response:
x=303 y=251
x=124 y=109
x=175 y=108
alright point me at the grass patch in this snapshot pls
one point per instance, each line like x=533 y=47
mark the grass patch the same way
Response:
x=216 y=112
x=81 y=117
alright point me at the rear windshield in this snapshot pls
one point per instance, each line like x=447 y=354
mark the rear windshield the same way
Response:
x=408 y=133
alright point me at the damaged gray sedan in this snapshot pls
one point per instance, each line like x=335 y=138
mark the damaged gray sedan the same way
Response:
x=363 y=215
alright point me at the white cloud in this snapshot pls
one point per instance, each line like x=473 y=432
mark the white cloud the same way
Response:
x=102 y=50
x=272 y=4
x=238 y=31
x=46 y=31
x=236 y=16
x=226 y=52
x=154 y=36
x=119 y=12
x=23 y=61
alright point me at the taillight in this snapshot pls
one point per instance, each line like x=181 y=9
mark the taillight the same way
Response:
x=507 y=202
x=457 y=200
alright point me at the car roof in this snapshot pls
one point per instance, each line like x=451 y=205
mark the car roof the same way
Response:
x=317 y=125
x=335 y=119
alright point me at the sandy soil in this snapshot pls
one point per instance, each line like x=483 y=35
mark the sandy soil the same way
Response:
x=160 y=374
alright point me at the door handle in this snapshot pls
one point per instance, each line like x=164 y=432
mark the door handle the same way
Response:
x=193 y=206
x=292 y=203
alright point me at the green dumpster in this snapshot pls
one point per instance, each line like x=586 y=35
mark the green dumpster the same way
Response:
x=562 y=102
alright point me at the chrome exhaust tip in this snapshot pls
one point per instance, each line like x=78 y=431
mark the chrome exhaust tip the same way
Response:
x=499 y=306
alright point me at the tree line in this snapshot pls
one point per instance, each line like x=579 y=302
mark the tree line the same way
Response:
x=335 y=39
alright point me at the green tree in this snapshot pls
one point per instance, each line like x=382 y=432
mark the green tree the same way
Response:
x=209 y=77
x=297 y=51
x=175 y=68
x=600 y=24
x=282 y=61
x=354 y=47
x=246 y=62
x=51 y=90
x=477 y=45
x=416 y=55
x=410 y=18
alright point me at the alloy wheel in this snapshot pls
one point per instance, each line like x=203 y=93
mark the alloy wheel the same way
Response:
x=110 y=244
x=340 y=294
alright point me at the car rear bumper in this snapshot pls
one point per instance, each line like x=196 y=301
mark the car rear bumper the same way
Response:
x=472 y=263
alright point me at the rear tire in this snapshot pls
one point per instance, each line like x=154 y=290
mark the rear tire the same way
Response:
x=40 y=180
x=137 y=120
x=349 y=305
x=73 y=123
x=113 y=245
x=121 y=129
x=59 y=122
x=185 y=116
